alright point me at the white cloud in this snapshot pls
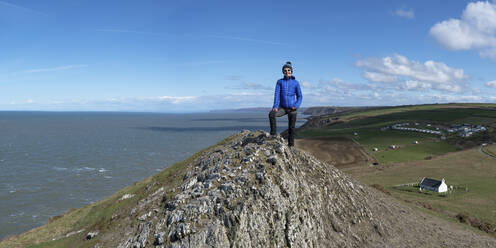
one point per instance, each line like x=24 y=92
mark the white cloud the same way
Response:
x=409 y=14
x=187 y=103
x=379 y=77
x=339 y=92
x=413 y=74
x=457 y=98
x=416 y=85
x=59 y=68
x=176 y=99
x=476 y=29
x=307 y=85
x=491 y=84
x=488 y=53
x=249 y=86
x=242 y=84
x=343 y=87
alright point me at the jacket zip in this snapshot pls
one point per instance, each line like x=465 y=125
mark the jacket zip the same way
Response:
x=287 y=92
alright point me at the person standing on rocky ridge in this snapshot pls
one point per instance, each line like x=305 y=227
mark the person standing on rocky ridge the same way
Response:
x=287 y=100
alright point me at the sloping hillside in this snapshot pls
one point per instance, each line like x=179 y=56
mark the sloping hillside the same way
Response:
x=249 y=191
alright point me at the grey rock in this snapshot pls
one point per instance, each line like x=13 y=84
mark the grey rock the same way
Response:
x=188 y=175
x=207 y=185
x=91 y=235
x=159 y=238
x=126 y=196
x=259 y=176
x=145 y=216
x=272 y=160
x=227 y=187
x=214 y=176
x=190 y=184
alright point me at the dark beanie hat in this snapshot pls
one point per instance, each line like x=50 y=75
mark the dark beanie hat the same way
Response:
x=287 y=65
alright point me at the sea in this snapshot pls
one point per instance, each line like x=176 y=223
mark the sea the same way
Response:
x=51 y=162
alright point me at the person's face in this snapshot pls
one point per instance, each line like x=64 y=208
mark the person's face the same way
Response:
x=287 y=72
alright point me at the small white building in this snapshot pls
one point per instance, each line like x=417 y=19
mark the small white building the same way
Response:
x=375 y=149
x=433 y=185
x=392 y=146
x=415 y=142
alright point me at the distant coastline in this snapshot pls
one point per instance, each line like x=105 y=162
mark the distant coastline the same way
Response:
x=311 y=111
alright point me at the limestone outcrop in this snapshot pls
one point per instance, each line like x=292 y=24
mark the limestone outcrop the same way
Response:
x=254 y=191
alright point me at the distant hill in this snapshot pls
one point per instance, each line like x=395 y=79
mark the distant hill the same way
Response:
x=313 y=111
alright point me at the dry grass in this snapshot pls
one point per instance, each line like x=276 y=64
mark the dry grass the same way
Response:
x=339 y=151
x=470 y=169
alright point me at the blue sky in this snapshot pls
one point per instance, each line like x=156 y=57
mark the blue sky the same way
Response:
x=183 y=56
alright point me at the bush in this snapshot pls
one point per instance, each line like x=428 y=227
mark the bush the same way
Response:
x=477 y=223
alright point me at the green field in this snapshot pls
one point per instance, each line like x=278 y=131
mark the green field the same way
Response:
x=368 y=123
x=465 y=169
x=429 y=145
x=426 y=112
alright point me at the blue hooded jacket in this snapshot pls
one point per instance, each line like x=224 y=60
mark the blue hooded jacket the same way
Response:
x=286 y=90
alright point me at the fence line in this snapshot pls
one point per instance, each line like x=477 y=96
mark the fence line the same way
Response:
x=406 y=184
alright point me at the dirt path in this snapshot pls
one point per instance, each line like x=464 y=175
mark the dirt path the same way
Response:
x=481 y=149
x=339 y=151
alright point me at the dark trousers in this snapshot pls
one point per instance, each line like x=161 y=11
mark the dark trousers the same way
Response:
x=291 y=122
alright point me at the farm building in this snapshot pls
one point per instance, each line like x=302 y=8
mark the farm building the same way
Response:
x=375 y=149
x=433 y=185
x=392 y=146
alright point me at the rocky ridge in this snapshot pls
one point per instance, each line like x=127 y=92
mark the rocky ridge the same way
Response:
x=255 y=191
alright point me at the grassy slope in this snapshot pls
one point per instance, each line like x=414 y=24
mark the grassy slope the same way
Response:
x=404 y=109
x=468 y=168
x=98 y=216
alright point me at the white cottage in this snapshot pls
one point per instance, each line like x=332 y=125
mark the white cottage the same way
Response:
x=433 y=185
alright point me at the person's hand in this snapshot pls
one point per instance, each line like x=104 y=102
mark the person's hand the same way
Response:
x=274 y=109
x=293 y=108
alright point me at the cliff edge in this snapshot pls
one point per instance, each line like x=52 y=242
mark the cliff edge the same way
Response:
x=254 y=191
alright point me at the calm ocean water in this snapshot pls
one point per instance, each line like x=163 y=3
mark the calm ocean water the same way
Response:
x=53 y=161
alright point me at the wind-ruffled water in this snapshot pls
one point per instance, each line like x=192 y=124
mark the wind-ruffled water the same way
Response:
x=53 y=161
